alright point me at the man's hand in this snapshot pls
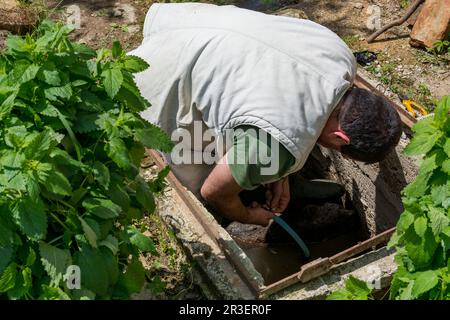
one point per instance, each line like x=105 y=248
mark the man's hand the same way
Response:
x=278 y=195
x=257 y=214
x=221 y=191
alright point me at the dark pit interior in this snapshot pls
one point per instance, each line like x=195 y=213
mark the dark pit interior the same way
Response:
x=327 y=216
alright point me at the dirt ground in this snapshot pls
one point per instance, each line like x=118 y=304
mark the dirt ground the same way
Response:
x=423 y=76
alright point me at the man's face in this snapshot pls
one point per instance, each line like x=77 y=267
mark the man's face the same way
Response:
x=332 y=136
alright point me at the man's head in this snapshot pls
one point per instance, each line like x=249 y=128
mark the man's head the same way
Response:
x=363 y=126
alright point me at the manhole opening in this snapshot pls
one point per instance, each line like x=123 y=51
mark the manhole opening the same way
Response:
x=326 y=218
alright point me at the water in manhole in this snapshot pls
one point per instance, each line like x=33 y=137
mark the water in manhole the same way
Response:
x=321 y=214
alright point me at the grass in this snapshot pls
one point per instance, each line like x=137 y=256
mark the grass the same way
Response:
x=404 y=3
x=350 y=40
x=386 y=73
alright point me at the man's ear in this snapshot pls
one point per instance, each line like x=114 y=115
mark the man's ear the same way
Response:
x=341 y=136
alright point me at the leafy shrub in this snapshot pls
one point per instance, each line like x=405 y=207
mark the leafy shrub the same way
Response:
x=355 y=289
x=71 y=142
x=422 y=237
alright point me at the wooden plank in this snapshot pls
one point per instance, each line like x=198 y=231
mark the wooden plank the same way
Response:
x=407 y=119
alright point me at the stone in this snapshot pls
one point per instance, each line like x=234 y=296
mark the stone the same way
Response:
x=358 y=5
x=126 y=12
x=432 y=24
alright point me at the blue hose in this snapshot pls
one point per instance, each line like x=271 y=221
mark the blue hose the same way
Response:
x=293 y=234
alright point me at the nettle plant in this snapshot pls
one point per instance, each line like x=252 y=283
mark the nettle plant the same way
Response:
x=71 y=142
x=422 y=237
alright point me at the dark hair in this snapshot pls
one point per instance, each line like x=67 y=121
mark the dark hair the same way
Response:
x=371 y=123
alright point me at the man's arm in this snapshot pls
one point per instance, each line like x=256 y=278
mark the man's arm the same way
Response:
x=221 y=191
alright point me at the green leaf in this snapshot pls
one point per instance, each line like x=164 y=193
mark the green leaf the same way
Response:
x=135 y=64
x=86 y=122
x=406 y=219
x=89 y=233
x=441 y=195
x=420 y=249
x=429 y=164
x=442 y=110
x=158 y=184
x=133 y=279
x=136 y=152
x=22 y=286
x=118 y=152
x=16 y=43
x=31 y=258
x=90 y=102
x=58 y=184
x=447 y=147
x=154 y=138
x=446 y=166
x=55 y=262
x=119 y=196
x=7 y=105
x=92 y=266
x=144 y=195
x=406 y=293
x=355 y=289
x=420 y=226
x=15 y=136
x=112 y=80
x=64 y=92
x=418 y=187
x=422 y=143
x=438 y=219
x=6 y=231
x=8 y=278
x=72 y=136
x=52 y=77
x=111 y=243
x=84 y=51
x=358 y=288
x=101 y=174
x=116 y=49
x=29 y=74
x=156 y=285
x=112 y=266
x=130 y=95
x=5 y=257
x=424 y=282
x=29 y=215
x=40 y=145
x=141 y=241
x=102 y=208
x=52 y=293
